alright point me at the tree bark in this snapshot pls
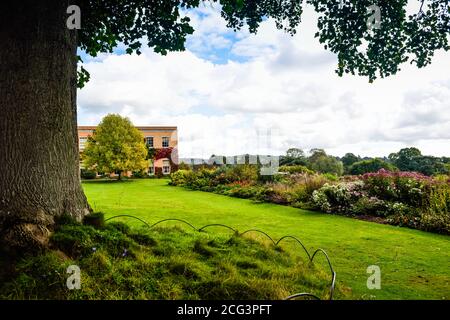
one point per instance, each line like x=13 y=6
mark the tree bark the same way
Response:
x=39 y=160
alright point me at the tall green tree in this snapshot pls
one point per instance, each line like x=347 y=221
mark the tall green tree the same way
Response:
x=116 y=146
x=38 y=78
x=349 y=158
x=321 y=162
x=295 y=153
x=39 y=157
x=411 y=159
x=294 y=156
x=406 y=159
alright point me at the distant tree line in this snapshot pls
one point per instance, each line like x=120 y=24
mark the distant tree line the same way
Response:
x=407 y=159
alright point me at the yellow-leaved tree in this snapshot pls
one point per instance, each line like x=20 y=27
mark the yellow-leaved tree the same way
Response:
x=116 y=146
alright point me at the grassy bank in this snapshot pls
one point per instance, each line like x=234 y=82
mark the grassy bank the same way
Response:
x=118 y=262
x=414 y=264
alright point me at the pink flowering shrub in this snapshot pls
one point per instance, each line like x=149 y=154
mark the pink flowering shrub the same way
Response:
x=406 y=187
x=400 y=198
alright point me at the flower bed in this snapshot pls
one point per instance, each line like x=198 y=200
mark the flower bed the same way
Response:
x=399 y=198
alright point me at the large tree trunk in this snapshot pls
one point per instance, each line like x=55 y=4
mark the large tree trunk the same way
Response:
x=39 y=165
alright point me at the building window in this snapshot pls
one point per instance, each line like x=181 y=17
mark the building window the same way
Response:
x=166 y=167
x=149 y=141
x=165 y=142
x=83 y=141
x=151 y=170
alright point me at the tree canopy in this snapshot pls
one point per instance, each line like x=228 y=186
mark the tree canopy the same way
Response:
x=371 y=165
x=400 y=37
x=411 y=159
x=349 y=158
x=342 y=28
x=294 y=156
x=115 y=146
x=406 y=159
x=321 y=162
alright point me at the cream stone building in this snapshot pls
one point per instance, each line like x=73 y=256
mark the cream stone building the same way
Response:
x=157 y=137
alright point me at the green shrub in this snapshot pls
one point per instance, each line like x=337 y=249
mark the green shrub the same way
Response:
x=435 y=222
x=370 y=206
x=400 y=214
x=298 y=193
x=87 y=174
x=295 y=169
x=438 y=198
x=309 y=183
x=277 y=177
x=247 y=172
x=181 y=178
x=248 y=192
x=436 y=208
x=236 y=173
x=278 y=193
x=139 y=174
x=184 y=166
x=207 y=179
x=330 y=176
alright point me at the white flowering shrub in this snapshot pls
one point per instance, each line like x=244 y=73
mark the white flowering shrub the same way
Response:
x=337 y=197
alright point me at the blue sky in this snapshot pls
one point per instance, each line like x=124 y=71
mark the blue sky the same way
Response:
x=228 y=88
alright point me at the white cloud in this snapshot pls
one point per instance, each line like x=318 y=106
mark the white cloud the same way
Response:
x=282 y=83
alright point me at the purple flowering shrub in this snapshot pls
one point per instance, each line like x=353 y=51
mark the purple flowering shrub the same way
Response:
x=405 y=187
x=400 y=198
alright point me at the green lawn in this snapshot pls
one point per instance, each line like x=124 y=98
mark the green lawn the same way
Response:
x=414 y=264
